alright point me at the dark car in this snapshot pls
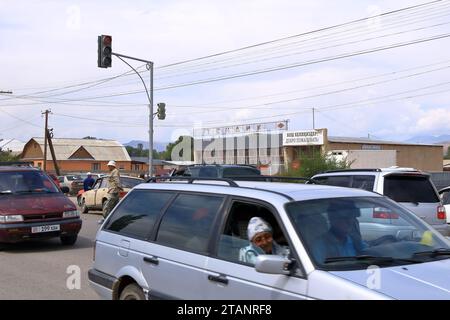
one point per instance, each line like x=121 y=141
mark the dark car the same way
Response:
x=33 y=207
x=219 y=171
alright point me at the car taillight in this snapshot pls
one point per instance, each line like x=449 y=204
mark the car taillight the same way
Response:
x=441 y=215
x=383 y=213
x=122 y=194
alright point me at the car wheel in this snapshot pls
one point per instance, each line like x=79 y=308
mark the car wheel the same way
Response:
x=104 y=204
x=69 y=240
x=132 y=292
x=84 y=208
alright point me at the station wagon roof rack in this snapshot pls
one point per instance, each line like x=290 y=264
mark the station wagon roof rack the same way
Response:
x=192 y=179
x=272 y=178
x=353 y=170
x=16 y=163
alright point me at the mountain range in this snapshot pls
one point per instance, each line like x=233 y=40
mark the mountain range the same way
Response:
x=159 y=146
x=445 y=138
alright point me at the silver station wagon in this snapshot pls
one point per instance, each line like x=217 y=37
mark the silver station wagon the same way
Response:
x=192 y=240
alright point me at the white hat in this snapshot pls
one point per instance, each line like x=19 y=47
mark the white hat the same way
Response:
x=112 y=163
x=257 y=225
x=89 y=173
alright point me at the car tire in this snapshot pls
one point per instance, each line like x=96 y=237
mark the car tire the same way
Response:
x=84 y=208
x=69 y=240
x=104 y=204
x=132 y=292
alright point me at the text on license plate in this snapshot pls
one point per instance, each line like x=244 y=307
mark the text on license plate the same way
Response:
x=54 y=227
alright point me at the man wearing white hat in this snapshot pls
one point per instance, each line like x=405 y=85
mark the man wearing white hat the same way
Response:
x=114 y=188
x=260 y=235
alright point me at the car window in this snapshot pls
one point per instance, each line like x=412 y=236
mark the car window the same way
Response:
x=104 y=183
x=97 y=184
x=234 y=243
x=129 y=182
x=26 y=182
x=339 y=181
x=74 y=177
x=208 y=172
x=137 y=213
x=363 y=182
x=446 y=198
x=188 y=222
x=403 y=188
x=336 y=230
x=240 y=171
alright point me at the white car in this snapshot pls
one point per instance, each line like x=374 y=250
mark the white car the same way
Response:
x=184 y=239
x=445 y=197
x=95 y=198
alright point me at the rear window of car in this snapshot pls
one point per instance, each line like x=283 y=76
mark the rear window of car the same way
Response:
x=403 y=188
x=230 y=172
x=129 y=182
x=339 y=181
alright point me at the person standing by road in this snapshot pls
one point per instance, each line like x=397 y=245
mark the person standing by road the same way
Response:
x=114 y=188
x=88 y=182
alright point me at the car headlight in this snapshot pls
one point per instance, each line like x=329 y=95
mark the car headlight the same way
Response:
x=11 y=218
x=71 y=214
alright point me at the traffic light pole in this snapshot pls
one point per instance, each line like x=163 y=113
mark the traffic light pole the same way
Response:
x=149 y=65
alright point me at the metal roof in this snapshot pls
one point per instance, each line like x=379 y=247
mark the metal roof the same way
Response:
x=372 y=141
x=100 y=150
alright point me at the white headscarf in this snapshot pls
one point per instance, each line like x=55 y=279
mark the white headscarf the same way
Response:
x=257 y=225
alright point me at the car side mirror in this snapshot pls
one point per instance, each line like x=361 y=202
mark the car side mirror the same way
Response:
x=273 y=264
x=65 y=189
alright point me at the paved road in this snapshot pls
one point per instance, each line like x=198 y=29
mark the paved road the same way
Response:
x=38 y=270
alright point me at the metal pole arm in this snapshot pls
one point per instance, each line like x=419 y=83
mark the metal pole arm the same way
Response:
x=128 y=57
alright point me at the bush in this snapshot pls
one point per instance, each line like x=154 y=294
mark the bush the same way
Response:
x=316 y=163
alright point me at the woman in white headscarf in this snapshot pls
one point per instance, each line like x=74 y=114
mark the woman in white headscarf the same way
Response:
x=261 y=241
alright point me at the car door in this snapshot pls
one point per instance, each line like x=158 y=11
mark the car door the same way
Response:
x=89 y=196
x=101 y=193
x=229 y=278
x=174 y=265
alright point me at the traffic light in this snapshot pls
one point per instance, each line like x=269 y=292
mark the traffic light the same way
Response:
x=161 y=111
x=104 y=51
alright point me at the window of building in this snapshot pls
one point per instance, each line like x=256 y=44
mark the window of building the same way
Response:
x=95 y=167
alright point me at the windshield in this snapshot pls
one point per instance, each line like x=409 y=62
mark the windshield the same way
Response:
x=353 y=233
x=74 y=177
x=24 y=182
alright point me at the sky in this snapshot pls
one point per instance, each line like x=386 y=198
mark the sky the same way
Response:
x=377 y=69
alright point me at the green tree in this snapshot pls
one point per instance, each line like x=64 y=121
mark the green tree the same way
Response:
x=447 y=156
x=167 y=155
x=7 y=156
x=311 y=164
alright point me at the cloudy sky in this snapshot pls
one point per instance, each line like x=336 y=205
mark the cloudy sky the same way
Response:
x=367 y=68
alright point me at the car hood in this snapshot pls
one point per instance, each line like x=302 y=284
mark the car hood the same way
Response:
x=428 y=280
x=35 y=204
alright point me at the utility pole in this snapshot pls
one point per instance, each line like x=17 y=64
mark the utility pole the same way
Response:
x=46 y=112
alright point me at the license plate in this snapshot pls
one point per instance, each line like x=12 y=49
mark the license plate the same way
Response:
x=54 y=227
